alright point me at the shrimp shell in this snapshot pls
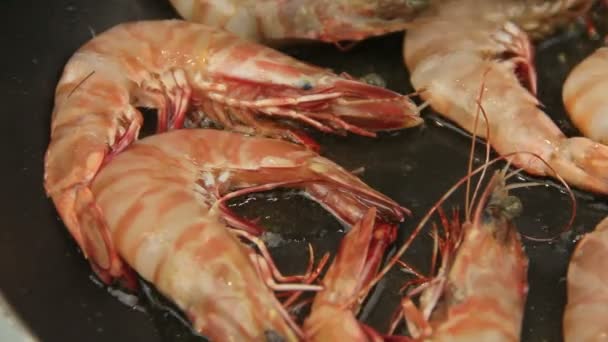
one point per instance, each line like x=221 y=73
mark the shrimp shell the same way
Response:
x=586 y=312
x=324 y=20
x=584 y=96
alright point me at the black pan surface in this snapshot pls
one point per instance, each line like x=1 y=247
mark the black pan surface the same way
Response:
x=47 y=281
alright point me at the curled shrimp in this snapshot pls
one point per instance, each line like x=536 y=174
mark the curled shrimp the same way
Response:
x=586 y=312
x=459 y=45
x=159 y=208
x=330 y=21
x=179 y=67
x=584 y=96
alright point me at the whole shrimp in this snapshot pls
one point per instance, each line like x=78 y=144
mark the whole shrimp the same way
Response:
x=460 y=46
x=334 y=309
x=586 y=312
x=480 y=290
x=175 y=67
x=160 y=208
x=330 y=21
x=584 y=95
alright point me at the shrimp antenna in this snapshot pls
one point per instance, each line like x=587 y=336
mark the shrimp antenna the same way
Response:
x=80 y=83
x=480 y=110
x=394 y=259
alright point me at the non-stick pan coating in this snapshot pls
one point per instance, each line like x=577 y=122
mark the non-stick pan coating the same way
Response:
x=45 y=278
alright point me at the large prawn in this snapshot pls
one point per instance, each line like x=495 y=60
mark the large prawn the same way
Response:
x=584 y=95
x=586 y=312
x=330 y=21
x=175 y=67
x=160 y=208
x=480 y=291
x=460 y=45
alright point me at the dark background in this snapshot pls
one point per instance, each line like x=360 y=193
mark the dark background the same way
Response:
x=45 y=277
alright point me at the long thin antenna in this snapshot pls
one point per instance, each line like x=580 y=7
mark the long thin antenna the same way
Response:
x=468 y=200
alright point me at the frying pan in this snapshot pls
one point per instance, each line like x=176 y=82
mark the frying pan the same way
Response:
x=46 y=280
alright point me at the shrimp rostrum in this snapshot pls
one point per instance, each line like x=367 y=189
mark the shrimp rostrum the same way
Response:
x=159 y=208
x=330 y=21
x=460 y=47
x=177 y=68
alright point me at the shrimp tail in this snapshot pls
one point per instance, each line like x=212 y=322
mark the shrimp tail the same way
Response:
x=583 y=163
x=97 y=244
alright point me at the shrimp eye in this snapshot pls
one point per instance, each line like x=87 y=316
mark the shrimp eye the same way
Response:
x=512 y=207
x=508 y=207
x=305 y=85
x=374 y=79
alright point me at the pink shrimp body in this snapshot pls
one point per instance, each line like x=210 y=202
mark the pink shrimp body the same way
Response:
x=175 y=67
x=325 y=20
x=483 y=285
x=159 y=207
x=586 y=312
x=333 y=311
x=584 y=96
x=462 y=47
